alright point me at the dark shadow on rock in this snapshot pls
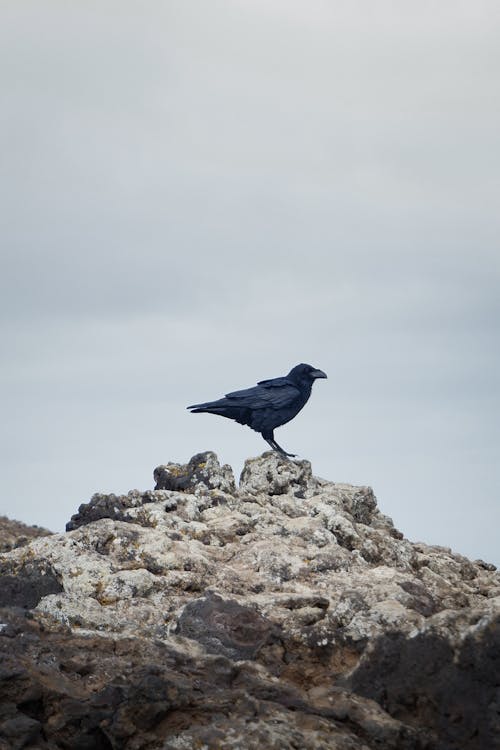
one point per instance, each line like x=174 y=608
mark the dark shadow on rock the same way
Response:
x=423 y=681
x=24 y=585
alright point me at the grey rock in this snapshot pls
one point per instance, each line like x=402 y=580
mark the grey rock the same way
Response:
x=276 y=475
x=289 y=612
x=203 y=472
x=112 y=506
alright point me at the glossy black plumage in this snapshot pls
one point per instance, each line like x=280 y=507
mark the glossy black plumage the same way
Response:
x=268 y=405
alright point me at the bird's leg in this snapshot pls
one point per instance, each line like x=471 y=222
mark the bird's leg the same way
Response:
x=283 y=452
x=277 y=448
x=269 y=438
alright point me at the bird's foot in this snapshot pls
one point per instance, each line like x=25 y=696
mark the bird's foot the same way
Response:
x=274 y=445
x=285 y=454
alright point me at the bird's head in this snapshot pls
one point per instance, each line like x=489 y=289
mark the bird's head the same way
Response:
x=305 y=374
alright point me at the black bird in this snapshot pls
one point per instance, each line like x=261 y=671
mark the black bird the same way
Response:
x=267 y=405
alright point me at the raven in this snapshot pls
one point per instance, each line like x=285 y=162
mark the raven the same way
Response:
x=267 y=405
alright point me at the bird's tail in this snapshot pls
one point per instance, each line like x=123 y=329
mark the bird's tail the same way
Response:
x=210 y=407
x=222 y=408
x=205 y=409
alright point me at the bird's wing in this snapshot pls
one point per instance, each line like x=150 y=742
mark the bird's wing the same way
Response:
x=275 y=382
x=275 y=394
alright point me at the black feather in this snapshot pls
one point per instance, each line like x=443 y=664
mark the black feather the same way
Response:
x=268 y=405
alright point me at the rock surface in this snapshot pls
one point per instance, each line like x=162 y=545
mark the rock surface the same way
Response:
x=286 y=613
x=16 y=534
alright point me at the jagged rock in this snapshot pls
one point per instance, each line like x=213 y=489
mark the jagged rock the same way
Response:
x=286 y=613
x=111 y=506
x=203 y=472
x=225 y=627
x=433 y=675
x=275 y=476
x=16 y=534
x=24 y=583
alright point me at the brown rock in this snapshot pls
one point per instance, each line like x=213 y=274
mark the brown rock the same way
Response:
x=16 y=534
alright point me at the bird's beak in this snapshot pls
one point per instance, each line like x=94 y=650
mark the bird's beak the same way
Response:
x=317 y=374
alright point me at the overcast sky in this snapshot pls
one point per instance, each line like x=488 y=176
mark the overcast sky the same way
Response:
x=198 y=195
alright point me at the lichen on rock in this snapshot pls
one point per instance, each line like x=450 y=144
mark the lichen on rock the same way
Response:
x=288 y=612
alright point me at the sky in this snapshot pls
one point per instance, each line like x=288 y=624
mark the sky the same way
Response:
x=200 y=195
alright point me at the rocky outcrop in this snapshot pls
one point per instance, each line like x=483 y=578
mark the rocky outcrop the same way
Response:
x=16 y=534
x=287 y=613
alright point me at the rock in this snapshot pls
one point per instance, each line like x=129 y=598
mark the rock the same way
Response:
x=203 y=472
x=20 y=730
x=276 y=476
x=225 y=627
x=286 y=613
x=24 y=584
x=111 y=506
x=430 y=676
x=16 y=534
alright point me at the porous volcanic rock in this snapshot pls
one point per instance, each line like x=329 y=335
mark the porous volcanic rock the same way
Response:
x=287 y=613
x=16 y=534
